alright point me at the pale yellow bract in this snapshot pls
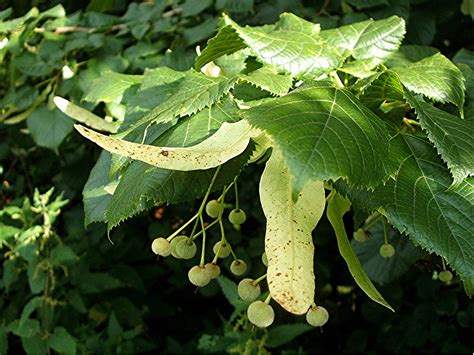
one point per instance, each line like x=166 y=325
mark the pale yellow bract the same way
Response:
x=230 y=140
x=82 y=115
x=288 y=241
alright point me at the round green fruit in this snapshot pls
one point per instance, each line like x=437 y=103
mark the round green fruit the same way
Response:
x=387 y=250
x=238 y=267
x=237 y=216
x=161 y=246
x=445 y=276
x=260 y=314
x=264 y=259
x=174 y=243
x=247 y=290
x=224 y=251
x=360 y=235
x=186 y=249
x=213 y=270
x=199 y=276
x=317 y=316
x=214 y=208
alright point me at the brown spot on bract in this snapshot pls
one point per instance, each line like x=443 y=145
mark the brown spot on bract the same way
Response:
x=164 y=153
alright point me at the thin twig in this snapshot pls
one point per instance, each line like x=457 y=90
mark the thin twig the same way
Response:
x=322 y=10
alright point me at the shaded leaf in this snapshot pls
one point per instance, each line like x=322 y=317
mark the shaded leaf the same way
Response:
x=451 y=136
x=385 y=88
x=268 y=79
x=226 y=41
x=98 y=190
x=464 y=56
x=284 y=333
x=229 y=289
x=385 y=270
x=48 y=128
x=62 y=342
x=62 y=254
x=110 y=87
x=420 y=202
x=408 y=54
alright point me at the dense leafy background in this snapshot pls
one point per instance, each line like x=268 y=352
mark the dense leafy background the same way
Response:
x=118 y=298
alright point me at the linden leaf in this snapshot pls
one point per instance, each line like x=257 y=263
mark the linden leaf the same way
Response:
x=436 y=77
x=325 y=133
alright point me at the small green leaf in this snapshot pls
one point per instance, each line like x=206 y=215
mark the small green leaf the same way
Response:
x=268 y=79
x=288 y=240
x=10 y=273
x=464 y=56
x=227 y=41
x=97 y=282
x=7 y=231
x=62 y=254
x=36 y=276
x=29 y=308
x=35 y=345
x=229 y=289
x=385 y=88
x=97 y=190
x=200 y=32
x=284 y=333
x=110 y=87
x=62 y=342
x=337 y=208
x=435 y=77
x=237 y=6
x=48 y=128
x=25 y=329
x=193 y=8
x=114 y=329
